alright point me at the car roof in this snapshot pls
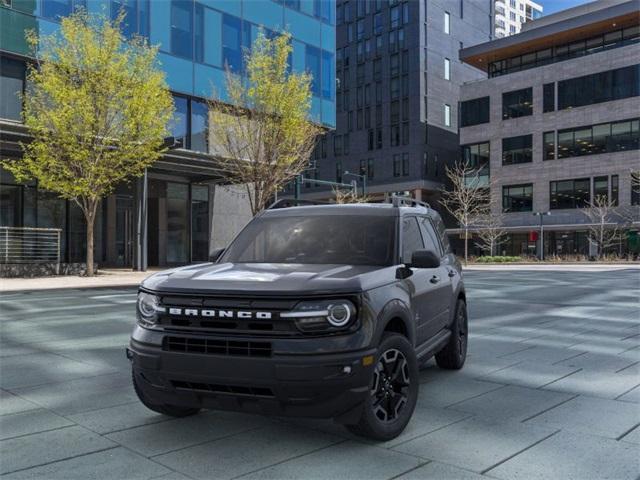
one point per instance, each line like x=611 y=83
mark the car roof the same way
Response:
x=371 y=209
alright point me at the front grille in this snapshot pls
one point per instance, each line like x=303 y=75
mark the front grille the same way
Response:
x=229 y=389
x=210 y=346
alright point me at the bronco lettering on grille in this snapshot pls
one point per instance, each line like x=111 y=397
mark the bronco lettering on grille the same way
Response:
x=194 y=312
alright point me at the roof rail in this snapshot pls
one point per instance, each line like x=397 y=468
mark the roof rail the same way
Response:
x=406 y=201
x=292 y=202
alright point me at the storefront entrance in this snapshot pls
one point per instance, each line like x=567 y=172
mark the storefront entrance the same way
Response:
x=124 y=231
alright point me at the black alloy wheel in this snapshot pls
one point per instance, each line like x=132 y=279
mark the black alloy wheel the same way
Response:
x=390 y=387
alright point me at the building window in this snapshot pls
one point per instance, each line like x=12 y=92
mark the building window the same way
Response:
x=615 y=192
x=474 y=112
x=477 y=156
x=447 y=23
x=635 y=188
x=378 y=139
x=549 y=145
x=447 y=115
x=447 y=69
x=396 y=165
x=182 y=28
x=599 y=87
x=377 y=24
x=517 y=198
x=601 y=188
x=199 y=126
x=231 y=43
x=136 y=20
x=312 y=61
x=517 y=103
x=339 y=172
x=602 y=138
x=328 y=75
x=179 y=125
x=394 y=16
x=570 y=193
x=395 y=135
x=345 y=144
x=337 y=145
x=405 y=164
x=12 y=78
x=516 y=150
x=370 y=168
x=549 y=97
x=370 y=140
x=56 y=9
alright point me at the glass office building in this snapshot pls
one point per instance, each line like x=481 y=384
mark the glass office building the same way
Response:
x=198 y=40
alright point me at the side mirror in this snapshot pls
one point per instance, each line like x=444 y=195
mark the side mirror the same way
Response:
x=424 y=259
x=215 y=254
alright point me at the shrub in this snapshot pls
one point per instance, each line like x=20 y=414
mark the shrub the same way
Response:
x=498 y=259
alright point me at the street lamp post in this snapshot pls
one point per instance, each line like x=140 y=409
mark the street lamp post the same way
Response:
x=541 y=215
x=364 y=181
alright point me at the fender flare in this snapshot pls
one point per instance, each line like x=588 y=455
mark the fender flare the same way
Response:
x=395 y=309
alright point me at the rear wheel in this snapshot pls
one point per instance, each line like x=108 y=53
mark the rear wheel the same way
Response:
x=169 y=410
x=393 y=391
x=454 y=354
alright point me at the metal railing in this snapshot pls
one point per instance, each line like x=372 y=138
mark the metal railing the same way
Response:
x=29 y=245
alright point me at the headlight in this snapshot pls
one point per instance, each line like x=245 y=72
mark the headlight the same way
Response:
x=323 y=315
x=148 y=308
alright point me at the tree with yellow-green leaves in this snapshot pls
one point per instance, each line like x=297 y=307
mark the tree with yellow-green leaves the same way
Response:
x=97 y=107
x=261 y=131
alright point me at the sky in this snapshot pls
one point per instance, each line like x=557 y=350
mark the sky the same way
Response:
x=552 y=6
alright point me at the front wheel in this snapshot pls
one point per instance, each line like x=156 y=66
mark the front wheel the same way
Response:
x=169 y=410
x=454 y=353
x=393 y=391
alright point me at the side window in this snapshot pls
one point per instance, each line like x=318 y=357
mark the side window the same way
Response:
x=442 y=232
x=411 y=238
x=430 y=239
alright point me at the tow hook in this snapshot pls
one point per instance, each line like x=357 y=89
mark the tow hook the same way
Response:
x=129 y=354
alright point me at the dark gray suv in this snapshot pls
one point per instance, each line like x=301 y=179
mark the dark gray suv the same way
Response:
x=318 y=311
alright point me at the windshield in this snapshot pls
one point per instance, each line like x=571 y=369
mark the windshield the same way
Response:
x=320 y=239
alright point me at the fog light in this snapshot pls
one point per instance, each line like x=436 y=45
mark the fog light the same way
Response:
x=368 y=360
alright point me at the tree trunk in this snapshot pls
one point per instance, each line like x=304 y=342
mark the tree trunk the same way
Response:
x=466 y=245
x=90 y=217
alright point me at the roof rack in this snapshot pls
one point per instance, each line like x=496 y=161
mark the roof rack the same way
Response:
x=292 y=202
x=406 y=201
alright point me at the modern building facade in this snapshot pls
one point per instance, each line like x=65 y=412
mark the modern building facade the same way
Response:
x=398 y=86
x=166 y=218
x=556 y=123
x=510 y=15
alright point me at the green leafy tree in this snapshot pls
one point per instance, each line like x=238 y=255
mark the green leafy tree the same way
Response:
x=97 y=107
x=261 y=131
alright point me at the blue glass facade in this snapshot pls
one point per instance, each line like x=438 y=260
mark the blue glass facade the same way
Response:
x=198 y=39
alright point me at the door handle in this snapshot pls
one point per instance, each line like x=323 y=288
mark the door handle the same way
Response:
x=452 y=273
x=435 y=279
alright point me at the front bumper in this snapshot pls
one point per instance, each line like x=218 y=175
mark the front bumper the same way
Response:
x=320 y=385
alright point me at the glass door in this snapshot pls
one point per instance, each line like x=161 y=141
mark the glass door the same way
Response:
x=124 y=231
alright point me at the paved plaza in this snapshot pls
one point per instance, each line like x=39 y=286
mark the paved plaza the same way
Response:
x=551 y=389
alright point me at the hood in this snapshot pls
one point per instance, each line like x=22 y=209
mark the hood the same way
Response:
x=270 y=278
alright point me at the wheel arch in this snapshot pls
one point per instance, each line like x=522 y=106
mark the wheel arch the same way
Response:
x=395 y=317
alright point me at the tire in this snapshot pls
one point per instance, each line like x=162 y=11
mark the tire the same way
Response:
x=454 y=354
x=393 y=391
x=169 y=410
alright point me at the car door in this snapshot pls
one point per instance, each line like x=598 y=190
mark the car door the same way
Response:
x=441 y=279
x=421 y=290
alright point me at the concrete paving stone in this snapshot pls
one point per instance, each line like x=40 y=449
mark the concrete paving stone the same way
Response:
x=10 y=403
x=605 y=346
x=498 y=348
x=247 y=452
x=572 y=456
x=172 y=476
x=45 y=447
x=158 y=438
x=10 y=349
x=33 y=421
x=41 y=368
x=475 y=444
x=612 y=420
x=81 y=395
x=511 y=403
x=349 y=460
x=447 y=391
x=631 y=396
x=633 y=436
x=120 y=417
x=440 y=471
x=116 y=463
x=595 y=384
x=597 y=361
x=546 y=355
x=475 y=366
x=529 y=374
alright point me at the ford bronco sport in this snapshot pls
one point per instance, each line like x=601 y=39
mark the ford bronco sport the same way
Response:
x=318 y=311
